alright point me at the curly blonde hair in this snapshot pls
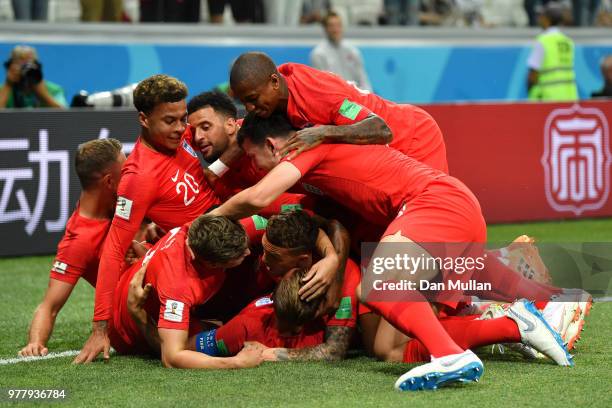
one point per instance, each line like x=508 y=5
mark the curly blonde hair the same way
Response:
x=158 y=89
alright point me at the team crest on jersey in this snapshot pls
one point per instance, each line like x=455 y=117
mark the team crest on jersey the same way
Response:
x=263 y=301
x=576 y=159
x=189 y=149
x=123 y=208
x=59 y=267
x=174 y=311
x=312 y=189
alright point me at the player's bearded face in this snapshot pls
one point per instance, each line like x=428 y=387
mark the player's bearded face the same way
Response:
x=165 y=125
x=210 y=133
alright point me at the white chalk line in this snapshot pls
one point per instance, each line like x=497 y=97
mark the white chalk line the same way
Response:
x=69 y=353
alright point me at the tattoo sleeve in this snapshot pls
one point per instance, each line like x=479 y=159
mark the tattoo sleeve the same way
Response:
x=337 y=340
x=371 y=130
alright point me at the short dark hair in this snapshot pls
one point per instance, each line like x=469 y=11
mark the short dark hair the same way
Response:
x=219 y=101
x=293 y=229
x=252 y=68
x=217 y=239
x=157 y=89
x=329 y=15
x=256 y=129
x=93 y=158
x=290 y=310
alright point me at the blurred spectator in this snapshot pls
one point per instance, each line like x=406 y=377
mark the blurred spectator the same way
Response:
x=551 y=63
x=170 y=11
x=438 y=12
x=530 y=9
x=243 y=11
x=283 y=12
x=24 y=86
x=336 y=56
x=402 y=12
x=503 y=13
x=313 y=11
x=101 y=10
x=30 y=9
x=604 y=18
x=606 y=73
x=585 y=12
x=358 y=12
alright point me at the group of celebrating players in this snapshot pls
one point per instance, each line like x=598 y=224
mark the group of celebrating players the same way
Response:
x=256 y=257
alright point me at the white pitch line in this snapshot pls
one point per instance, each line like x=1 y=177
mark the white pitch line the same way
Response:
x=49 y=356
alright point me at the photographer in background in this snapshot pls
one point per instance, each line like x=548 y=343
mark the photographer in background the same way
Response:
x=24 y=86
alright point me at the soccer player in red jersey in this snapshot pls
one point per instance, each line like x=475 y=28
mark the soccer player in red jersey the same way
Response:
x=184 y=269
x=327 y=109
x=162 y=181
x=416 y=203
x=213 y=116
x=290 y=244
x=309 y=97
x=98 y=166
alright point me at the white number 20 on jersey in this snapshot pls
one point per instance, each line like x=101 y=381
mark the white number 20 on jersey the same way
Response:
x=188 y=187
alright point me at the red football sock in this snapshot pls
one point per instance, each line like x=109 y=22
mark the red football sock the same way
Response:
x=468 y=333
x=417 y=320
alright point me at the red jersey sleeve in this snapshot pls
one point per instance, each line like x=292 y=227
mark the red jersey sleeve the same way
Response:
x=248 y=325
x=337 y=99
x=135 y=194
x=346 y=315
x=71 y=262
x=308 y=160
x=175 y=297
x=255 y=227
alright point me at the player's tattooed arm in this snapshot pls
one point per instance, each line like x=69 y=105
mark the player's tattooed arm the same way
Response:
x=337 y=341
x=371 y=130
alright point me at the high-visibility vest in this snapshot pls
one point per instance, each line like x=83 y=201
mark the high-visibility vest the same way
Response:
x=556 y=76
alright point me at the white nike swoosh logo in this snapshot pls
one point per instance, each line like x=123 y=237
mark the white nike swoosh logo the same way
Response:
x=530 y=325
x=175 y=176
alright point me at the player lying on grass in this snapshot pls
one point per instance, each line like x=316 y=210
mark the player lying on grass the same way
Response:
x=303 y=331
x=415 y=202
x=289 y=245
x=185 y=268
x=98 y=166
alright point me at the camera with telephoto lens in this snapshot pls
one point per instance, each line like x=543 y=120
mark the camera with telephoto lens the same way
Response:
x=31 y=74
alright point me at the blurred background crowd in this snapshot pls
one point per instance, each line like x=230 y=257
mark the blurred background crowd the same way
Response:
x=450 y=13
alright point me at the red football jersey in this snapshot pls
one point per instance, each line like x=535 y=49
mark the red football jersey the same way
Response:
x=373 y=181
x=170 y=190
x=341 y=103
x=257 y=322
x=179 y=284
x=78 y=253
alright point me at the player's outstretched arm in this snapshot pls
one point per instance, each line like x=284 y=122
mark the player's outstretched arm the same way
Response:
x=337 y=341
x=175 y=355
x=371 y=130
x=44 y=318
x=251 y=200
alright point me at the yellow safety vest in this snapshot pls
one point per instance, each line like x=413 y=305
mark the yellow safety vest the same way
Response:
x=556 y=76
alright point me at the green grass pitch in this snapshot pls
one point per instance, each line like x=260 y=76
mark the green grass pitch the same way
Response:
x=358 y=381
